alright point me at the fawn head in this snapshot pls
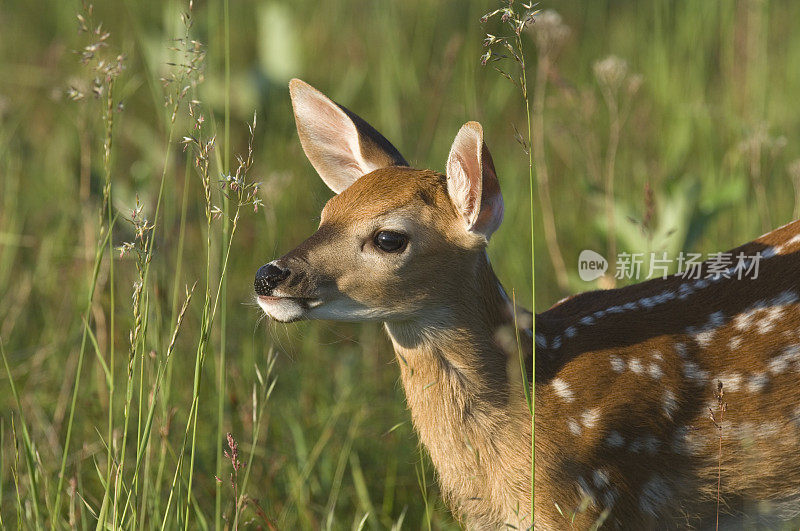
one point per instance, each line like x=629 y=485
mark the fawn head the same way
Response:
x=395 y=243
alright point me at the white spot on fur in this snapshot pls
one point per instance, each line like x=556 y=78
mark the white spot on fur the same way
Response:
x=765 y=313
x=570 y=331
x=712 y=404
x=541 y=341
x=657 y=356
x=588 y=320
x=636 y=445
x=680 y=348
x=772 y=316
x=617 y=365
x=705 y=333
x=590 y=417
x=647 y=302
x=574 y=427
x=563 y=390
x=635 y=365
x=704 y=338
x=557 y=342
x=664 y=296
x=655 y=494
x=731 y=381
x=615 y=440
x=744 y=320
x=749 y=432
x=679 y=440
x=601 y=487
x=757 y=382
x=650 y=444
x=655 y=370
x=670 y=404
x=769 y=252
x=788 y=359
x=684 y=291
x=687 y=441
x=694 y=373
x=600 y=478
x=785 y=247
x=769 y=430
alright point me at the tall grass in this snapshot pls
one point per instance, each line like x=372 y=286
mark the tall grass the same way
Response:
x=126 y=380
x=516 y=19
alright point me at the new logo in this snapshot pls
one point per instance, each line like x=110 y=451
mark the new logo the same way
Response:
x=591 y=265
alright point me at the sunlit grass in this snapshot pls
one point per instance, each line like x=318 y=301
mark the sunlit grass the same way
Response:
x=320 y=425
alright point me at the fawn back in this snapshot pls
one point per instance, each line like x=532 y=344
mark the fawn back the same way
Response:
x=632 y=417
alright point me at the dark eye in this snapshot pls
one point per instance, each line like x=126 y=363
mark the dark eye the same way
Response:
x=390 y=242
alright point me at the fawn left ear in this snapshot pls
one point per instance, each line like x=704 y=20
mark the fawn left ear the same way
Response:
x=472 y=181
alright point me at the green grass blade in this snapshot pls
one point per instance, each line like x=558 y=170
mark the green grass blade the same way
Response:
x=26 y=439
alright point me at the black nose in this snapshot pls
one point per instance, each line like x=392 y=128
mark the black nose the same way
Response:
x=268 y=277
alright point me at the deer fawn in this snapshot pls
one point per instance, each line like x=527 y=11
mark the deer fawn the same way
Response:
x=624 y=378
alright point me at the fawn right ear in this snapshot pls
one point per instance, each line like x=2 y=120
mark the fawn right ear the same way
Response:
x=340 y=145
x=472 y=181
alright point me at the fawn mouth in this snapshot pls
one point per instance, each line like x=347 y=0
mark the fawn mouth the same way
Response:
x=307 y=301
x=286 y=309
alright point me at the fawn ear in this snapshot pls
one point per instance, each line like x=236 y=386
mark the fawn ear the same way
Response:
x=341 y=146
x=472 y=182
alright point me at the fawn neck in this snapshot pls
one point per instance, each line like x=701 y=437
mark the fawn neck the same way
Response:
x=465 y=393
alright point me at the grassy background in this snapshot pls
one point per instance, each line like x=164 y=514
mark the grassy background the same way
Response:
x=711 y=130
